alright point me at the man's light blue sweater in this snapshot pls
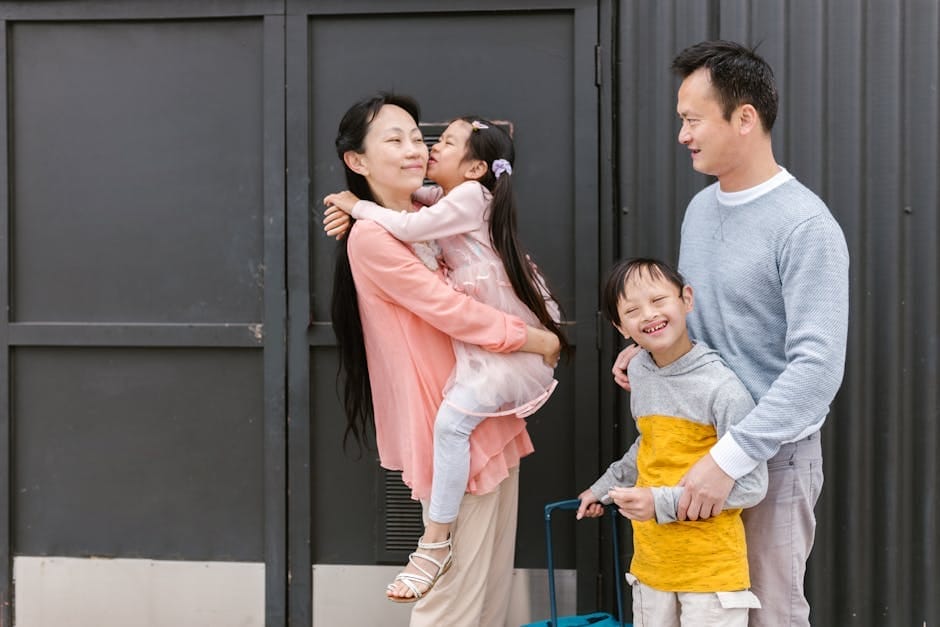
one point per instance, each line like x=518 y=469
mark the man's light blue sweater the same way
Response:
x=771 y=285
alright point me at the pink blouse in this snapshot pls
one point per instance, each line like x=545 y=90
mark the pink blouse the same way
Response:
x=408 y=317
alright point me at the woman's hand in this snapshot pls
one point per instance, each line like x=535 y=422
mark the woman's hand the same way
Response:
x=634 y=503
x=553 y=352
x=336 y=222
x=544 y=343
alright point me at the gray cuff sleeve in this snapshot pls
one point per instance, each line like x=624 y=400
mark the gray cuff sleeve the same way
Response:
x=667 y=503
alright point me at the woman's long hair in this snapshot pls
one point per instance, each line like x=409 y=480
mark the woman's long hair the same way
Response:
x=353 y=370
x=489 y=143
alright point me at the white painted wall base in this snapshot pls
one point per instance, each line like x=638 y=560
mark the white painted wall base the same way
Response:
x=355 y=595
x=73 y=592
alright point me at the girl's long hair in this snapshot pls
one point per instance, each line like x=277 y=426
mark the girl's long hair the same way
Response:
x=489 y=142
x=353 y=372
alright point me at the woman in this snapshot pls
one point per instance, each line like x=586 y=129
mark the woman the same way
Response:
x=393 y=318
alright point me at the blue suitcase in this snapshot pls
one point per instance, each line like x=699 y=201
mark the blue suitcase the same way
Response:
x=596 y=619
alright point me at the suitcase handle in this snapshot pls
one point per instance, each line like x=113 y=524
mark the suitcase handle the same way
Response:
x=574 y=504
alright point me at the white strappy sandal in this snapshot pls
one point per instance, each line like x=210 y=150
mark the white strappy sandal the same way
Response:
x=425 y=578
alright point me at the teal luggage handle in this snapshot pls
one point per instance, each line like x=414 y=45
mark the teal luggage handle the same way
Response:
x=574 y=504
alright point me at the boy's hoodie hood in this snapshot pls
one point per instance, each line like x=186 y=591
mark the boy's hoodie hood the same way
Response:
x=699 y=357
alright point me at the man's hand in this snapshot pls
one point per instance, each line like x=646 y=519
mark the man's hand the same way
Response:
x=634 y=503
x=590 y=506
x=620 y=366
x=706 y=489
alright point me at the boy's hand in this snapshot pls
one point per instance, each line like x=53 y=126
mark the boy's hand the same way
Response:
x=634 y=503
x=336 y=222
x=590 y=506
x=620 y=366
x=345 y=200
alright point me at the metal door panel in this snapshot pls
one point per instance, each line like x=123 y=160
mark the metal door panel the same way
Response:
x=135 y=165
x=439 y=59
x=144 y=344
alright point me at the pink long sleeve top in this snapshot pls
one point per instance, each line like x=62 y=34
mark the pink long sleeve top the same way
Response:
x=409 y=315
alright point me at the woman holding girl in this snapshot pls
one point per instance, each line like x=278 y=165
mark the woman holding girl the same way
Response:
x=470 y=223
x=393 y=318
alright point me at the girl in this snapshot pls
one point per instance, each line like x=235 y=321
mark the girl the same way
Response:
x=472 y=215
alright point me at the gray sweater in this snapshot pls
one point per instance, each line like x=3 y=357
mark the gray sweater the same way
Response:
x=698 y=387
x=771 y=296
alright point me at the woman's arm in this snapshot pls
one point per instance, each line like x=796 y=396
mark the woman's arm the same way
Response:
x=544 y=343
x=401 y=278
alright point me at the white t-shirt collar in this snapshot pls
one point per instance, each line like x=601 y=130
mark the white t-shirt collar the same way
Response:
x=753 y=193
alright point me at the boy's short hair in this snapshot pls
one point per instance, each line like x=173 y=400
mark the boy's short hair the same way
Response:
x=623 y=271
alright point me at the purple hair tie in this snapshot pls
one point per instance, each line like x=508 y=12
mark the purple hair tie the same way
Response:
x=501 y=166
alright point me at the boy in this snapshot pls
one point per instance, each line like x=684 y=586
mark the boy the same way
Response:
x=684 y=398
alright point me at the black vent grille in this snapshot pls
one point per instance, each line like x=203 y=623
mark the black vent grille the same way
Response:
x=403 y=524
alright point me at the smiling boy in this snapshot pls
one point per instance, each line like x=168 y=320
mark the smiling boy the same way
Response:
x=684 y=398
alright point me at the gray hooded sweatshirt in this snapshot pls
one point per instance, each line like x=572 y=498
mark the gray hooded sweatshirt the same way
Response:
x=699 y=388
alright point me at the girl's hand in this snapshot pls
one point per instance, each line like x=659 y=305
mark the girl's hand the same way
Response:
x=336 y=222
x=345 y=200
x=634 y=503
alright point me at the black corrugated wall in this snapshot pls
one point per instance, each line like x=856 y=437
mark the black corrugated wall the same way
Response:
x=858 y=124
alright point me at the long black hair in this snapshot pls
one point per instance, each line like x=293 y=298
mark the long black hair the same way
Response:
x=353 y=371
x=490 y=143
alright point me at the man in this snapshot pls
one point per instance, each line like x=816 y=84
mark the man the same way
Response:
x=770 y=266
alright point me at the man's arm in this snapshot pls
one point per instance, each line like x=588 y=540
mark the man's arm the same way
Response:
x=730 y=404
x=814 y=273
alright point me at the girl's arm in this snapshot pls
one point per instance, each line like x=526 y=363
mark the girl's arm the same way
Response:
x=460 y=211
x=427 y=195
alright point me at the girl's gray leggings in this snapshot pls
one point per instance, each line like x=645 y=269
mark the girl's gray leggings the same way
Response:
x=452 y=430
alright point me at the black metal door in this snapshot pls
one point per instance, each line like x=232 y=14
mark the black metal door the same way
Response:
x=529 y=63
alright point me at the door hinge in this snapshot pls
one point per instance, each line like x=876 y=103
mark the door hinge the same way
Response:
x=597 y=65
